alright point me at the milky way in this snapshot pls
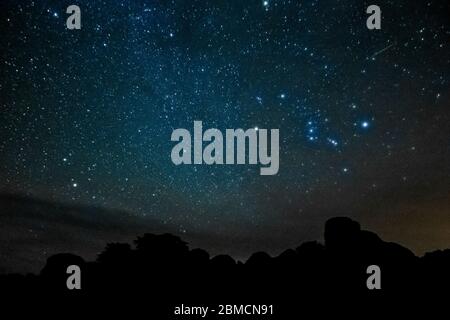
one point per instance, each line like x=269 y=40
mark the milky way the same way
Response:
x=87 y=115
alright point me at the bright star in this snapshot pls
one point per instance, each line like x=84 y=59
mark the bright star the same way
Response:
x=365 y=124
x=333 y=142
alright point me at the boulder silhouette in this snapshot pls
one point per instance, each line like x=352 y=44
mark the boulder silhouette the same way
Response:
x=223 y=261
x=198 y=257
x=54 y=274
x=341 y=233
x=259 y=259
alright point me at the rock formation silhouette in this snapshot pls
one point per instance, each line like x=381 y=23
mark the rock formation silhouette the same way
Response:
x=164 y=270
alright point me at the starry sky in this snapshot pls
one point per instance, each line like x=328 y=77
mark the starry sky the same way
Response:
x=86 y=115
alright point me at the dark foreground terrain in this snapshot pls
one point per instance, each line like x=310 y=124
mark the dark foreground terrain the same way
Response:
x=161 y=274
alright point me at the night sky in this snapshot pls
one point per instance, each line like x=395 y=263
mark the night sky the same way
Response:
x=87 y=115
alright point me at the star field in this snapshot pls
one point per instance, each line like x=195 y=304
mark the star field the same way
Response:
x=86 y=115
